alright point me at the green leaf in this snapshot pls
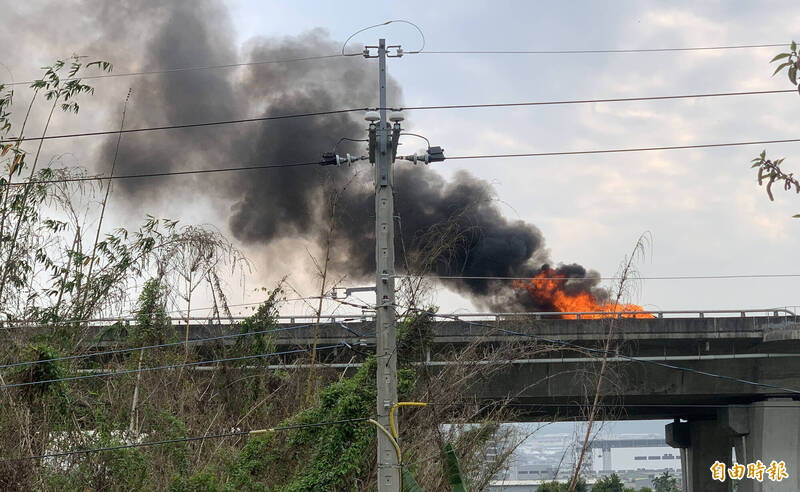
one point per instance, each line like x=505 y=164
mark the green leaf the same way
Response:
x=781 y=67
x=796 y=216
x=794 y=46
x=457 y=481
x=793 y=74
x=778 y=57
x=410 y=483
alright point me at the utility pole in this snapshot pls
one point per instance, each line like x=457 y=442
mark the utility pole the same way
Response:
x=385 y=327
x=382 y=153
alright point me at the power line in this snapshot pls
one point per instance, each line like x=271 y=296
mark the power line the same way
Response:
x=35 y=323
x=244 y=304
x=671 y=277
x=624 y=150
x=409 y=108
x=171 y=366
x=428 y=52
x=165 y=173
x=186 y=125
x=588 y=101
x=333 y=422
x=609 y=51
x=27 y=322
x=609 y=405
x=366 y=48
x=186 y=439
x=188 y=69
x=457 y=157
x=181 y=311
x=150 y=347
x=615 y=353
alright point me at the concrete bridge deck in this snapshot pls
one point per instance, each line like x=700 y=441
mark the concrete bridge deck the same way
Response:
x=756 y=326
x=761 y=346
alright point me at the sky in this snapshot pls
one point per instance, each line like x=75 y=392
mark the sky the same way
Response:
x=702 y=208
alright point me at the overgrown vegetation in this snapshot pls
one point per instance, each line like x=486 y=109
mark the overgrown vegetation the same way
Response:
x=666 y=483
x=311 y=458
x=580 y=486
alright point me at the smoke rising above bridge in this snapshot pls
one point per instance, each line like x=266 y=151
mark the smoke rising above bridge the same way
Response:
x=448 y=227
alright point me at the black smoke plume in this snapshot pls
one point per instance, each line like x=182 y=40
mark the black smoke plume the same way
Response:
x=451 y=228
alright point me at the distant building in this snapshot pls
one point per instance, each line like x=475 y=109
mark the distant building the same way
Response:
x=620 y=455
x=636 y=458
x=551 y=458
x=545 y=472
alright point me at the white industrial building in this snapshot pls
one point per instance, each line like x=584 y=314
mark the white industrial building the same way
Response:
x=636 y=458
x=620 y=455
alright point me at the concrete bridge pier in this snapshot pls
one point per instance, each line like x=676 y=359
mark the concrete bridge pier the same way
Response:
x=767 y=430
x=702 y=442
x=774 y=434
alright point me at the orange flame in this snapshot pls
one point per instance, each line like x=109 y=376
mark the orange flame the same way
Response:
x=548 y=288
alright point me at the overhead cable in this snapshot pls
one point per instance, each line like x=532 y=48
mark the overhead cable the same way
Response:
x=25 y=323
x=164 y=173
x=615 y=353
x=565 y=279
x=590 y=101
x=244 y=304
x=456 y=157
x=151 y=347
x=186 y=439
x=609 y=51
x=170 y=366
x=427 y=52
x=187 y=69
x=408 y=108
x=624 y=150
x=361 y=53
x=185 y=125
x=608 y=405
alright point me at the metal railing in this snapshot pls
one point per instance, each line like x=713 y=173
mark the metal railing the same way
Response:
x=795 y=310
x=778 y=312
x=783 y=313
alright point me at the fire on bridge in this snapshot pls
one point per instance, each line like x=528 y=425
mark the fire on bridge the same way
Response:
x=551 y=287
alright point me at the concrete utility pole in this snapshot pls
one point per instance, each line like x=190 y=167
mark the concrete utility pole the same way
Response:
x=385 y=318
x=382 y=153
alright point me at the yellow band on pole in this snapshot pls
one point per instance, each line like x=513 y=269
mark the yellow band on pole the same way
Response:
x=394 y=443
x=402 y=404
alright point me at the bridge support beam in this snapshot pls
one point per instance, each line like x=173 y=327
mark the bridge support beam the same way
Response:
x=774 y=434
x=767 y=430
x=702 y=442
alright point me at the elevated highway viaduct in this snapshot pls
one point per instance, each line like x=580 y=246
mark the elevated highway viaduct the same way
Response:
x=728 y=380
